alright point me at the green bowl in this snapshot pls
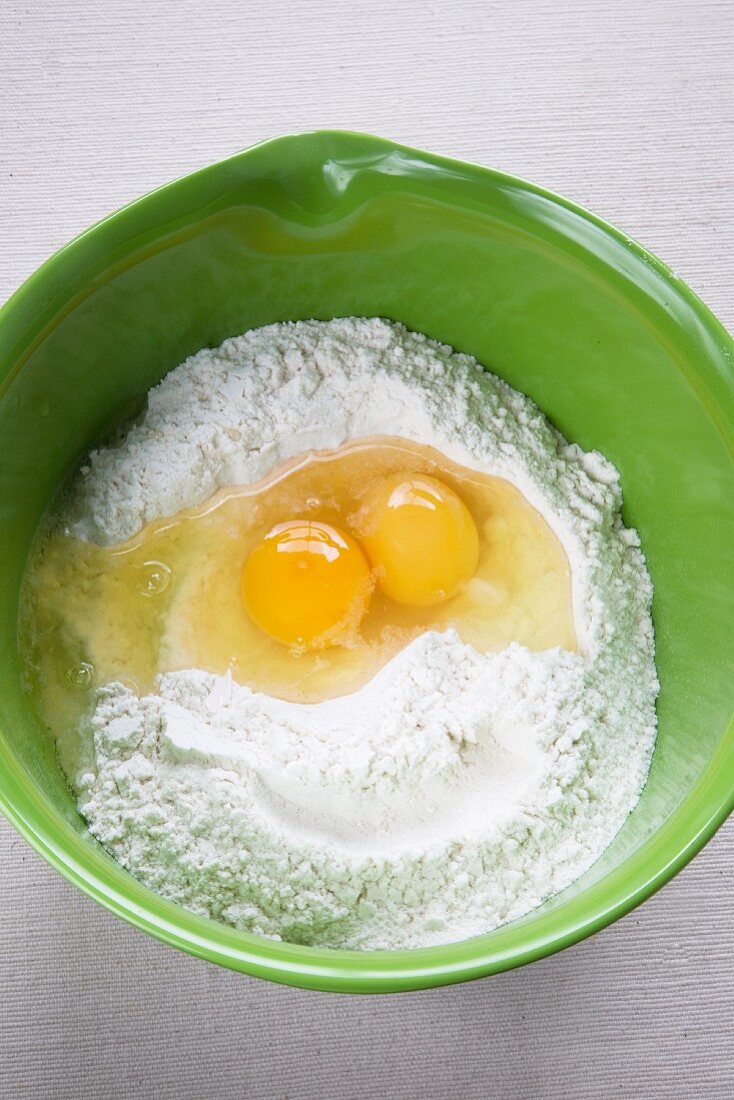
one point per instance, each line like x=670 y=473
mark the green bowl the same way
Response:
x=612 y=346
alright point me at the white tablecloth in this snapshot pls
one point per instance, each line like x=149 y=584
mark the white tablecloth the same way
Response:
x=626 y=107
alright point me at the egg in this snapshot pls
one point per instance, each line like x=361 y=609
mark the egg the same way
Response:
x=172 y=598
x=307 y=584
x=421 y=538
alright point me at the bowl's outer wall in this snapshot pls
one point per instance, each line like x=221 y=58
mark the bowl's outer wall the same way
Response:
x=619 y=354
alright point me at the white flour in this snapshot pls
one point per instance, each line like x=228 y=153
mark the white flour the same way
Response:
x=456 y=790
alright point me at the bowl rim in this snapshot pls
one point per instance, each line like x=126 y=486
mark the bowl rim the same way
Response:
x=704 y=809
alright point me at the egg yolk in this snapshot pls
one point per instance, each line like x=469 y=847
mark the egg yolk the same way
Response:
x=307 y=584
x=421 y=538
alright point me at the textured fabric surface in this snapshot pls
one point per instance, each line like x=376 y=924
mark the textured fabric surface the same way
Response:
x=624 y=107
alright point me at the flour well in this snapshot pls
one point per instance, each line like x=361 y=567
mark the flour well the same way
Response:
x=456 y=790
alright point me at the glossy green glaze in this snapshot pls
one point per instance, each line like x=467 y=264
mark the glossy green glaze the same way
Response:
x=612 y=346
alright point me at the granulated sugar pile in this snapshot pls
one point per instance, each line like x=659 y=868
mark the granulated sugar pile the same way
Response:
x=455 y=791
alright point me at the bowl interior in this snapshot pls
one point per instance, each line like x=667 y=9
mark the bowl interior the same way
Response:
x=617 y=352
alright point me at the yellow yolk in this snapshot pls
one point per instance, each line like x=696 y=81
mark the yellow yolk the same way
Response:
x=307 y=584
x=421 y=538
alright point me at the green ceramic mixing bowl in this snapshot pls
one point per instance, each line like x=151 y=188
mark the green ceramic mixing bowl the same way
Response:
x=613 y=347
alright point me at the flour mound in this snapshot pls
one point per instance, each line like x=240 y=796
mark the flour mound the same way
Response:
x=456 y=790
